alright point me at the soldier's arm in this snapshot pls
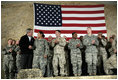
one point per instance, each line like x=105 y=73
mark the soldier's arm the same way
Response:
x=86 y=41
x=81 y=45
x=62 y=42
x=114 y=44
x=34 y=45
x=104 y=42
x=5 y=51
x=71 y=46
x=96 y=42
x=46 y=48
x=52 y=43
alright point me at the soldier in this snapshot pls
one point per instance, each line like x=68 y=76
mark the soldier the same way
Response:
x=111 y=62
x=90 y=41
x=102 y=54
x=67 y=57
x=108 y=46
x=13 y=42
x=14 y=55
x=76 y=59
x=8 y=60
x=18 y=57
x=59 y=54
x=41 y=50
x=84 y=64
x=49 y=58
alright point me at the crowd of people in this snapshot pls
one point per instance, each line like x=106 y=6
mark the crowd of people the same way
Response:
x=89 y=55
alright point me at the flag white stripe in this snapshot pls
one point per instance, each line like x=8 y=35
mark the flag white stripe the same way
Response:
x=68 y=28
x=83 y=15
x=83 y=22
x=82 y=9
x=67 y=35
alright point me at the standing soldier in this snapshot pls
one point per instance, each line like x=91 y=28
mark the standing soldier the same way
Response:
x=111 y=62
x=40 y=53
x=76 y=59
x=90 y=41
x=59 y=54
x=18 y=57
x=67 y=57
x=8 y=60
x=49 y=58
x=102 y=54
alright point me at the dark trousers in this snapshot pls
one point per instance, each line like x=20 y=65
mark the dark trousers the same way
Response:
x=26 y=61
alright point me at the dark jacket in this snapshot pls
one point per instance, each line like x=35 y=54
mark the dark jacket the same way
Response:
x=24 y=44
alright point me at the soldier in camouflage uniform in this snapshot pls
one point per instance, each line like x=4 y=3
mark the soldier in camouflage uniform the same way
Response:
x=76 y=58
x=67 y=57
x=59 y=54
x=111 y=62
x=8 y=60
x=102 y=54
x=49 y=58
x=90 y=41
x=40 y=53
x=18 y=56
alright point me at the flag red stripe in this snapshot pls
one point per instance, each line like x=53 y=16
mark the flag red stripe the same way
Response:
x=69 y=31
x=83 y=25
x=81 y=6
x=82 y=12
x=83 y=18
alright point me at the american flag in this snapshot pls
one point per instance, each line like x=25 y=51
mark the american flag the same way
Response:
x=68 y=19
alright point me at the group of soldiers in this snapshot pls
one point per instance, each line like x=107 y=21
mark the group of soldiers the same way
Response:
x=56 y=57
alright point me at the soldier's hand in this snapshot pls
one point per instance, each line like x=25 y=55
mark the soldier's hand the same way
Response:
x=115 y=51
x=78 y=45
x=93 y=41
x=56 y=41
x=18 y=52
x=30 y=47
x=45 y=56
x=10 y=50
x=100 y=37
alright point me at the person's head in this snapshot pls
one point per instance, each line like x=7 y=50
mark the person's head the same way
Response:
x=58 y=33
x=74 y=35
x=41 y=34
x=89 y=30
x=50 y=38
x=10 y=41
x=13 y=42
x=81 y=38
x=29 y=32
x=64 y=37
x=113 y=36
x=17 y=42
x=111 y=39
x=99 y=34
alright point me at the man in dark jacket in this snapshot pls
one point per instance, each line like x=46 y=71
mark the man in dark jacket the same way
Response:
x=26 y=46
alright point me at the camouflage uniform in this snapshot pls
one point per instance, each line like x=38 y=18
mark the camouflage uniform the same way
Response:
x=76 y=58
x=49 y=61
x=111 y=62
x=91 y=52
x=18 y=57
x=41 y=48
x=67 y=59
x=102 y=54
x=8 y=62
x=59 y=56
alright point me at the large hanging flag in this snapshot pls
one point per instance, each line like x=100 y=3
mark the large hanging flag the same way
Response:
x=68 y=19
